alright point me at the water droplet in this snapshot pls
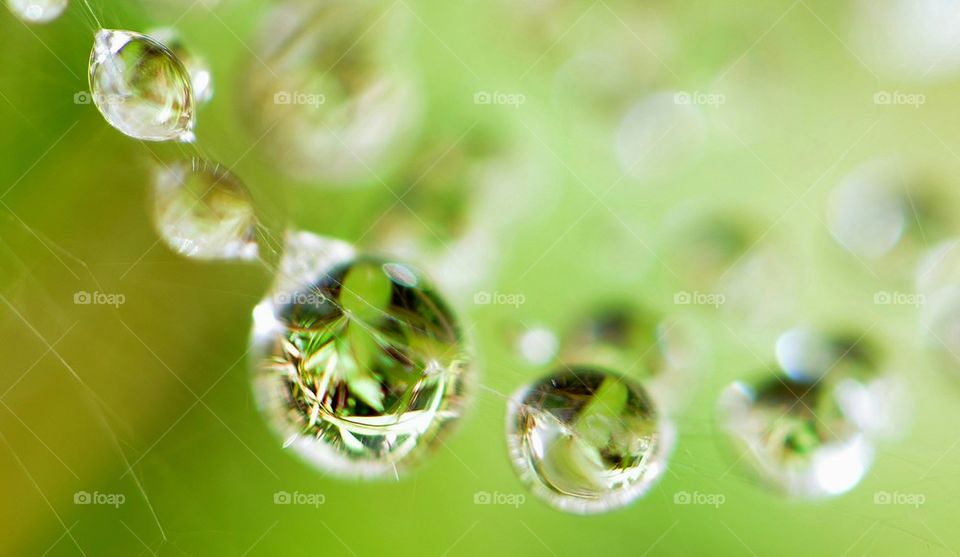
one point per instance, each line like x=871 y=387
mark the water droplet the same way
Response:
x=537 y=346
x=37 y=11
x=200 y=78
x=908 y=39
x=360 y=372
x=798 y=435
x=658 y=135
x=662 y=350
x=329 y=88
x=202 y=211
x=140 y=87
x=883 y=209
x=586 y=441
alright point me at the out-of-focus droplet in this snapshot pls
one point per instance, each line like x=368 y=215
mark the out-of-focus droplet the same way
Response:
x=459 y=203
x=940 y=324
x=658 y=135
x=908 y=39
x=704 y=248
x=537 y=346
x=37 y=11
x=203 y=211
x=658 y=349
x=808 y=355
x=360 y=365
x=882 y=206
x=328 y=88
x=140 y=87
x=797 y=435
x=939 y=267
x=201 y=79
x=586 y=440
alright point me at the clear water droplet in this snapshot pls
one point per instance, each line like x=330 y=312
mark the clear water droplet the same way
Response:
x=328 y=87
x=140 y=87
x=201 y=79
x=201 y=210
x=797 y=435
x=37 y=11
x=362 y=366
x=586 y=440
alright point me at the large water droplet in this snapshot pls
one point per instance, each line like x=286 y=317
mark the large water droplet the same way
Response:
x=361 y=367
x=37 y=11
x=200 y=77
x=585 y=440
x=140 y=87
x=328 y=86
x=203 y=211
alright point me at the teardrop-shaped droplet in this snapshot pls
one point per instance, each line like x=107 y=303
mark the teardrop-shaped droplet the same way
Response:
x=586 y=440
x=200 y=76
x=797 y=435
x=203 y=211
x=140 y=87
x=328 y=87
x=361 y=367
x=37 y=11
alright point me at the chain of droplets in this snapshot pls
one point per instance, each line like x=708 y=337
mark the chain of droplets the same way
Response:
x=340 y=333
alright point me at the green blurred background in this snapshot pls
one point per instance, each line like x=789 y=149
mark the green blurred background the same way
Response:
x=151 y=399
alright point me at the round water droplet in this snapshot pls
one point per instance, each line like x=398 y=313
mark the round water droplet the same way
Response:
x=140 y=87
x=798 y=435
x=37 y=11
x=658 y=135
x=537 y=346
x=908 y=39
x=619 y=336
x=360 y=367
x=939 y=267
x=328 y=88
x=200 y=78
x=882 y=207
x=585 y=440
x=202 y=211
x=808 y=355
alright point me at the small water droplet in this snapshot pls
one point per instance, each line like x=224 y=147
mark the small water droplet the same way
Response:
x=202 y=211
x=884 y=209
x=658 y=135
x=797 y=435
x=140 y=87
x=366 y=371
x=586 y=440
x=328 y=87
x=37 y=11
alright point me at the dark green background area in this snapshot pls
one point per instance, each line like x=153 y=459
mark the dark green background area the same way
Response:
x=160 y=385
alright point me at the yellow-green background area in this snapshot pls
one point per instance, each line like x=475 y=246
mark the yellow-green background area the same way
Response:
x=74 y=217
